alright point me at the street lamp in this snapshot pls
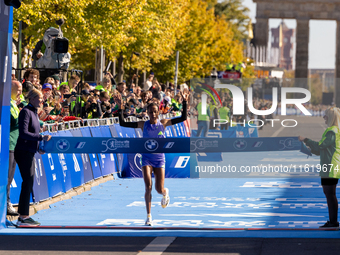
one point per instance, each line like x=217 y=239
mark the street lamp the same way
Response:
x=133 y=53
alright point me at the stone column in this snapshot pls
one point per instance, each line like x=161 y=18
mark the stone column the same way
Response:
x=301 y=59
x=337 y=65
x=261 y=33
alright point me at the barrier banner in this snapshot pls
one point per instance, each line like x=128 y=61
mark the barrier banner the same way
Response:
x=87 y=170
x=129 y=163
x=86 y=132
x=169 y=132
x=121 y=158
x=64 y=164
x=75 y=162
x=54 y=174
x=16 y=186
x=170 y=145
x=244 y=144
x=106 y=161
x=99 y=144
x=40 y=188
x=106 y=132
x=187 y=127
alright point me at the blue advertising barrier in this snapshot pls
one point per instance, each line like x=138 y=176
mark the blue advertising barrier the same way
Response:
x=6 y=30
x=40 y=188
x=54 y=173
x=96 y=172
x=87 y=170
x=120 y=157
x=63 y=164
x=106 y=161
x=74 y=163
x=16 y=186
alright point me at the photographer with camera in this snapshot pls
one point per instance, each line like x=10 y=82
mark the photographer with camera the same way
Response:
x=66 y=96
x=105 y=104
x=93 y=108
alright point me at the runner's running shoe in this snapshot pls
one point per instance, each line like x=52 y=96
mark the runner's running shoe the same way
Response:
x=166 y=199
x=148 y=221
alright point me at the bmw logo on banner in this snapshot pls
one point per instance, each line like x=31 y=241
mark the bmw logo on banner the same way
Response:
x=240 y=144
x=151 y=145
x=63 y=145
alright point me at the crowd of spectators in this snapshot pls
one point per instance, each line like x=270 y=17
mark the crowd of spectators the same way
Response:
x=76 y=100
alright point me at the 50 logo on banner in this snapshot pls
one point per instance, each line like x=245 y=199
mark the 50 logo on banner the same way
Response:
x=113 y=144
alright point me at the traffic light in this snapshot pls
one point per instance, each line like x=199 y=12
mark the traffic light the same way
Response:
x=15 y=3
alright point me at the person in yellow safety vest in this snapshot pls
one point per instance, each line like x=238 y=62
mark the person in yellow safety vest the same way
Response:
x=214 y=114
x=224 y=112
x=239 y=67
x=13 y=137
x=229 y=67
x=329 y=150
x=203 y=119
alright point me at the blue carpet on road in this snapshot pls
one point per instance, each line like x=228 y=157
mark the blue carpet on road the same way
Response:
x=251 y=202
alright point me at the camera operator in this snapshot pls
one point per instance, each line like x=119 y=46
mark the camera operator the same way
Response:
x=105 y=104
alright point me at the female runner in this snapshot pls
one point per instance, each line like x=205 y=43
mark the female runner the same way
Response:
x=153 y=162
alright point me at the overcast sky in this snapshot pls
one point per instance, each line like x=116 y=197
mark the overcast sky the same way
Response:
x=321 y=38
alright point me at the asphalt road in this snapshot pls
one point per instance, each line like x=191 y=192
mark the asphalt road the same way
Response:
x=48 y=245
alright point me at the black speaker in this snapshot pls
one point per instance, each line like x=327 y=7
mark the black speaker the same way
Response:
x=15 y=3
x=327 y=98
x=60 y=45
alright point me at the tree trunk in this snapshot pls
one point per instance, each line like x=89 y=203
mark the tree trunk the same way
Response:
x=120 y=68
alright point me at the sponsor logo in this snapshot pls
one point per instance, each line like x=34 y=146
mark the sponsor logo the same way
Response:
x=151 y=145
x=14 y=184
x=257 y=144
x=169 y=145
x=62 y=145
x=113 y=144
x=182 y=161
x=289 y=143
x=201 y=144
x=240 y=144
x=80 y=145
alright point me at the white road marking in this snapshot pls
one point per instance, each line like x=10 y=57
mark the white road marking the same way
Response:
x=278 y=131
x=158 y=245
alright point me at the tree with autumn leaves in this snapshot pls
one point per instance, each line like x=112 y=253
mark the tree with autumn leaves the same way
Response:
x=154 y=28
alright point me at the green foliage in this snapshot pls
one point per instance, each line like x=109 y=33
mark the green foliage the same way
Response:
x=236 y=14
x=205 y=32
